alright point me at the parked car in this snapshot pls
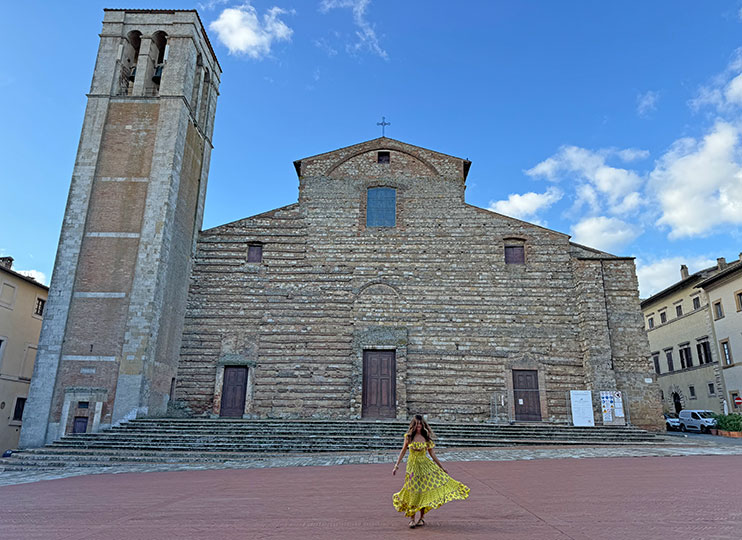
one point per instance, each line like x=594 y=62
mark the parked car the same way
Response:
x=696 y=420
x=672 y=422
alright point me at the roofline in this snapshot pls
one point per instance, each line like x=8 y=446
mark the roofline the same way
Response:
x=206 y=36
x=466 y=162
x=676 y=286
x=514 y=219
x=729 y=270
x=25 y=278
x=248 y=217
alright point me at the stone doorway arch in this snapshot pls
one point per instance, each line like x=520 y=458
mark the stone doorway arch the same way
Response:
x=677 y=402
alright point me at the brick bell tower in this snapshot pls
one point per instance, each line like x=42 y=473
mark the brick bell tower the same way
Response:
x=111 y=334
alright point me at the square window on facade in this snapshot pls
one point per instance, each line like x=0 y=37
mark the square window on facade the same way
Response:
x=738 y=300
x=83 y=404
x=39 y=307
x=679 y=310
x=515 y=255
x=383 y=157
x=718 y=310
x=692 y=391
x=712 y=389
x=734 y=396
x=696 y=303
x=663 y=317
x=20 y=403
x=255 y=253
x=381 y=207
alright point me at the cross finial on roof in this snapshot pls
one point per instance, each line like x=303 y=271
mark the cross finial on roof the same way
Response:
x=383 y=125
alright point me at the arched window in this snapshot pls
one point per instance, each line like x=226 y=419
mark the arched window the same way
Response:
x=129 y=58
x=198 y=75
x=159 y=56
x=203 y=104
x=381 y=207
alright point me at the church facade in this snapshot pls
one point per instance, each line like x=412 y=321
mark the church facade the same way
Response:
x=381 y=293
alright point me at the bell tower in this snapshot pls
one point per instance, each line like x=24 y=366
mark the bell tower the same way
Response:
x=111 y=334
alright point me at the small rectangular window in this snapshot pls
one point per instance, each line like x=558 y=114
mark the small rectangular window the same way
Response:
x=670 y=365
x=663 y=317
x=696 y=303
x=83 y=404
x=718 y=310
x=656 y=360
x=738 y=300
x=383 y=157
x=515 y=255
x=726 y=352
x=712 y=389
x=692 y=391
x=255 y=253
x=679 y=310
x=39 y=308
x=20 y=403
x=734 y=396
x=650 y=322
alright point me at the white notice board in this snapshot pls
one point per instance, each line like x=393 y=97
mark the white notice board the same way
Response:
x=582 y=407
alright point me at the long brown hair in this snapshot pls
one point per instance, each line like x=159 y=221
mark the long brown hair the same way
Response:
x=425 y=431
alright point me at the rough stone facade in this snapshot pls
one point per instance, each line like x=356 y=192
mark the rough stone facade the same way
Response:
x=435 y=289
x=134 y=209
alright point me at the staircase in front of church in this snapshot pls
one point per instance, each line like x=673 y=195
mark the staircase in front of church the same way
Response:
x=193 y=441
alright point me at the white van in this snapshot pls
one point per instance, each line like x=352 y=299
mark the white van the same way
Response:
x=696 y=420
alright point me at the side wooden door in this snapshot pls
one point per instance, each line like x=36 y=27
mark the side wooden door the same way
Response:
x=233 y=391
x=526 y=395
x=379 y=384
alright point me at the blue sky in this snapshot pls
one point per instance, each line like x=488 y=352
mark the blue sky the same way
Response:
x=619 y=123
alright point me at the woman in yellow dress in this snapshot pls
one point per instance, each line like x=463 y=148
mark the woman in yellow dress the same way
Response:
x=426 y=483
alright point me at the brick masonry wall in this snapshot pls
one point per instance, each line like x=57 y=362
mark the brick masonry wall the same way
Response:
x=435 y=288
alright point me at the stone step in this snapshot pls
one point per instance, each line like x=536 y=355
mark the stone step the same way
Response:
x=172 y=441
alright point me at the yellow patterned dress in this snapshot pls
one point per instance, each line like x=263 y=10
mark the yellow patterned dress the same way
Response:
x=426 y=486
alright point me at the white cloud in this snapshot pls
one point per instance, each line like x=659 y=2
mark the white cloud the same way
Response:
x=647 y=102
x=599 y=182
x=34 y=274
x=241 y=31
x=724 y=92
x=604 y=233
x=656 y=275
x=365 y=34
x=210 y=4
x=527 y=205
x=698 y=183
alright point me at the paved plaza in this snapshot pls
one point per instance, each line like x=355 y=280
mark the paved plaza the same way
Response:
x=678 y=491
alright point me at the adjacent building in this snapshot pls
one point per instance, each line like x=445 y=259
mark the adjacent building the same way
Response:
x=684 y=323
x=22 y=302
x=723 y=293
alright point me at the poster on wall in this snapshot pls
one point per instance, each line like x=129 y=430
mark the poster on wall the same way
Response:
x=618 y=400
x=582 y=407
x=606 y=405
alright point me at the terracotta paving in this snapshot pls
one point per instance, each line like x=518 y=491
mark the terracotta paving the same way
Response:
x=690 y=497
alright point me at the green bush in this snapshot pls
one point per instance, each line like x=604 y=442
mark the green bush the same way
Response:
x=729 y=422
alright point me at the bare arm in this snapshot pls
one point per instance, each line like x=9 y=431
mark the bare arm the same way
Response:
x=435 y=459
x=401 y=455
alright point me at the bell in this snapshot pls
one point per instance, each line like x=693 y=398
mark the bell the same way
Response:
x=132 y=74
x=158 y=75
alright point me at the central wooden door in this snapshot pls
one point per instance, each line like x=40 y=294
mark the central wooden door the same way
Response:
x=526 y=395
x=233 y=391
x=379 y=384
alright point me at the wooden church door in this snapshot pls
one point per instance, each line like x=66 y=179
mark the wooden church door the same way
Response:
x=526 y=395
x=379 y=384
x=234 y=390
